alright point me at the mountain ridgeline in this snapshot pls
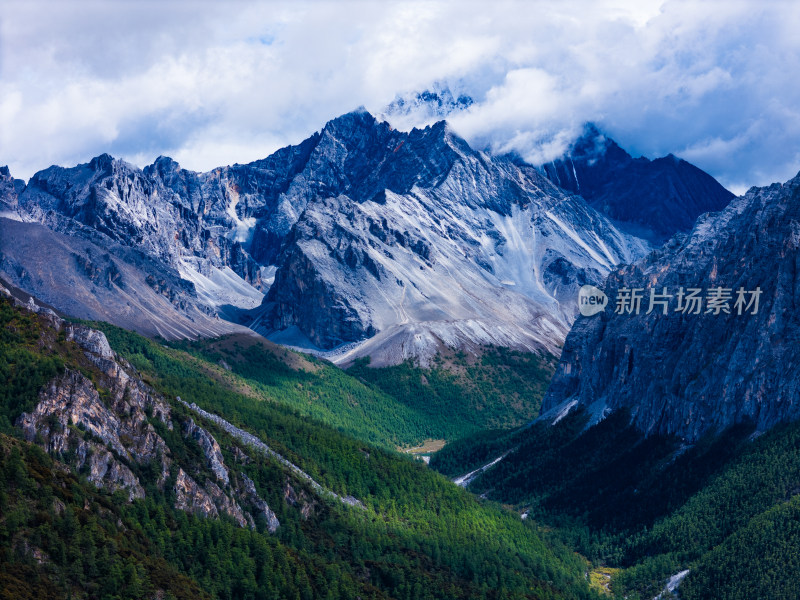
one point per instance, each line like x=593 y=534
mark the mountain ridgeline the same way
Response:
x=651 y=198
x=403 y=242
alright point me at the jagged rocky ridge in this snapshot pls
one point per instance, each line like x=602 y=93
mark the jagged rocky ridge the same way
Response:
x=650 y=198
x=436 y=243
x=689 y=374
x=10 y=189
x=101 y=423
x=358 y=231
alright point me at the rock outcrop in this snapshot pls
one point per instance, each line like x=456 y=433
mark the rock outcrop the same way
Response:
x=103 y=426
x=10 y=189
x=71 y=401
x=193 y=498
x=262 y=509
x=211 y=450
x=688 y=372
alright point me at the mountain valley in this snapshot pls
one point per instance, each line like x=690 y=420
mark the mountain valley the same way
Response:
x=308 y=316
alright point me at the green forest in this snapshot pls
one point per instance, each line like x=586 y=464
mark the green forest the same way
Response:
x=600 y=499
x=725 y=508
x=460 y=395
x=418 y=537
x=390 y=406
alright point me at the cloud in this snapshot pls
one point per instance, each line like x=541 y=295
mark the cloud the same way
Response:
x=212 y=83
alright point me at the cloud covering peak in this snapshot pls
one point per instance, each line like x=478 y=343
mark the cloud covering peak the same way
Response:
x=212 y=83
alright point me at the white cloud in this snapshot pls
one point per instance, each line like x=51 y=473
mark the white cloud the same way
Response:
x=213 y=83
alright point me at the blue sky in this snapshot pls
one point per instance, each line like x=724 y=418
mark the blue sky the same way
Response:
x=216 y=83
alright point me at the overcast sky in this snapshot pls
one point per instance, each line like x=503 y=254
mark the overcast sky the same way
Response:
x=717 y=83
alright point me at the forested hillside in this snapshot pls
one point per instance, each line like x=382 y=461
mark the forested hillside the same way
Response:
x=461 y=394
x=417 y=535
x=724 y=508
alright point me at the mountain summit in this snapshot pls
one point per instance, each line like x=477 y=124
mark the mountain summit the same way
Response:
x=650 y=198
x=360 y=240
x=419 y=241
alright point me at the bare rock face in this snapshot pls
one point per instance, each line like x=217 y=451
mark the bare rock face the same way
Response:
x=262 y=508
x=10 y=189
x=226 y=504
x=419 y=231
x=105 y=281
x=301 y=501
x=192 y=497
x=657 y=198
x=92 y=341
x=684 y=373
x=172 y=215
x=211 y=450
x=106 y=471
x=210 y=500
x=72 y=400
x=123 y=413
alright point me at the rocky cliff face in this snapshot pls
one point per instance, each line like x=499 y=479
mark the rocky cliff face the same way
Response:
x=688 y=373
x=103 y=426
x=211 y=450
x=654 y=199
x=412 y=239
x=104 y=435
x=421 y=241
x=197 y=223
x=10 y=189
x=186 y=221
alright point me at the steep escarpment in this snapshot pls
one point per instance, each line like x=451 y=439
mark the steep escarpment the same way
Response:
x=101 y=419
x=688 y=369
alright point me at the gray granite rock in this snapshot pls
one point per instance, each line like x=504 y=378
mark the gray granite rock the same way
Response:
x=688 y=374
